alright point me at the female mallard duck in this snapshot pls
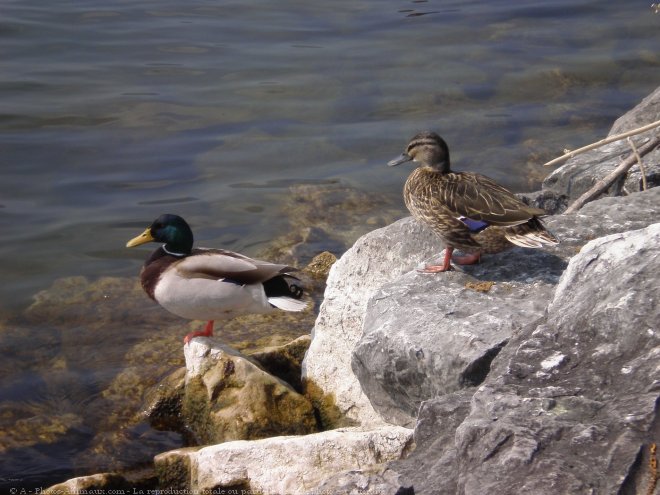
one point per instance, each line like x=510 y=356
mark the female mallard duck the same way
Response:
x=468 y=211
x=210 y=284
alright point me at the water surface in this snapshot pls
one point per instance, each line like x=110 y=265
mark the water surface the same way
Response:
x=115 y=112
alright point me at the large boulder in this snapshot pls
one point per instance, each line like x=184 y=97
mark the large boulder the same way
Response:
x=374 y=260
x=426 y=335
x=570 y=404
x=282 y=465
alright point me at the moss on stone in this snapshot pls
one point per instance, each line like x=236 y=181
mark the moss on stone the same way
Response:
x=320 y=265
x=235 y=399
x=173 y=470
x=328 y=414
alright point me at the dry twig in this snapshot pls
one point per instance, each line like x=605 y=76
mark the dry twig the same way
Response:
x=639 y=162
x=602 y=142
x=603 y=184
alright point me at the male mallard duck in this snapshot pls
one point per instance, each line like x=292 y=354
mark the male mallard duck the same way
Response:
x=210 y=284
x=468 y=211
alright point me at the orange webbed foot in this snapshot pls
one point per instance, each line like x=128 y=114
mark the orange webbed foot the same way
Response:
x=445 y=267
x=468 y=259
x=435 y=269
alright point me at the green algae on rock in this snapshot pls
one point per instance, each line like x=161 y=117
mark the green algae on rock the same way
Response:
x=229 y=397
x=320 y=265
x=285 y=361
x=325 y=405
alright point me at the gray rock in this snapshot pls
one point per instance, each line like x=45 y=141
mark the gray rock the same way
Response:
x=579 y=174
x=575 y=397
x=374 y=259
x=426 y=335
x=291 y=465
x=545 y=199
x=360 y=482
x=436 y=425
x=570 y=404
x=603 y=217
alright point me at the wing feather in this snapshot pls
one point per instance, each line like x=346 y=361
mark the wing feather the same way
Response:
x=480 y=198
x=222 y=264
x=427 y=203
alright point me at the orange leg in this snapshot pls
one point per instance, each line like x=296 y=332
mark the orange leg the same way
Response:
x=208 y=332
x=468 y=259
x=446 y=264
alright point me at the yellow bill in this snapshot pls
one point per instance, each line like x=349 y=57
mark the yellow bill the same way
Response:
x=143 y=238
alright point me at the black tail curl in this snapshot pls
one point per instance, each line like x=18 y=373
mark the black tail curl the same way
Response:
x=296 y=291
x=279 y=286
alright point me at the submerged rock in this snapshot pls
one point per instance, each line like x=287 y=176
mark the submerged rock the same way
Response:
x=328 y=217
x=27 y=425
x=282 y=465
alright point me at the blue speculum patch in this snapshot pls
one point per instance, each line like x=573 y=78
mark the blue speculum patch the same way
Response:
x=474 y=225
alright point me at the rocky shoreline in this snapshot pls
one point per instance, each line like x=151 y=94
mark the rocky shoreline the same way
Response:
x=532 y=372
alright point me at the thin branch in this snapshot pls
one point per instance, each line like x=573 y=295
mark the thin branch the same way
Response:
x=603 y=184
x=639 y=162
x=602 y=142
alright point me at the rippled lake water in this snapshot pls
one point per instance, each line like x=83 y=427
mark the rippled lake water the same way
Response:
x=115 y=112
